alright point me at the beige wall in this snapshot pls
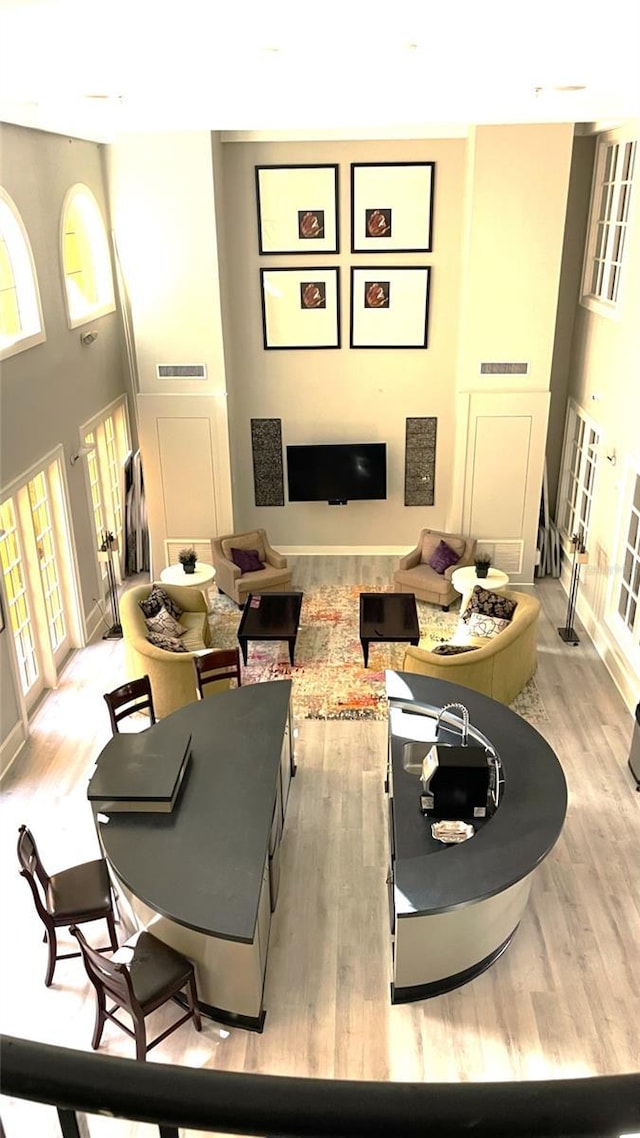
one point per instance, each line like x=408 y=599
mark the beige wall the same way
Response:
x=185 y=215
x=342 y=395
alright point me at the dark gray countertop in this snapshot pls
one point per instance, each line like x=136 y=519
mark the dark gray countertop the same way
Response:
x=520 y=834
x=202 y=865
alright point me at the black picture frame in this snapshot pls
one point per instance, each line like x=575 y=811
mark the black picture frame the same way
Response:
x=392 y=207
x=3 y=623
x=300 y=307
x=297 y=209
x=390 y=306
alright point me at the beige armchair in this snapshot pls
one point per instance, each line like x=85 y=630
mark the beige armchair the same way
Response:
x=415 y=575
x=171 y=673
x=499 y=667
x=233 y=582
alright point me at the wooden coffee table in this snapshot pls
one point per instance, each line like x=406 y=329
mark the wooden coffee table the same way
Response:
x=387 y=617
x=270 y=616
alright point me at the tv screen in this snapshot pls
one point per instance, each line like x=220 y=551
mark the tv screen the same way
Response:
x=337 y=472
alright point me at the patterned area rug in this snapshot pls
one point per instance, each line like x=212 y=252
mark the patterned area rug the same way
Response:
x=329 y=677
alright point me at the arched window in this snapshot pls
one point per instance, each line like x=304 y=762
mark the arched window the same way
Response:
x=20 y=313
x=86 y=263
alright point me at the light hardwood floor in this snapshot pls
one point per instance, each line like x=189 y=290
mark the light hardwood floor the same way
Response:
x=563 y=1001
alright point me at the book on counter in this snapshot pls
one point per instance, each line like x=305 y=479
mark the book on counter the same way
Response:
x=141 y=771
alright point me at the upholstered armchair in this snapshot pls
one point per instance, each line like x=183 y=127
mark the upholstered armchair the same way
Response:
x=238 y=581
x=415 y=575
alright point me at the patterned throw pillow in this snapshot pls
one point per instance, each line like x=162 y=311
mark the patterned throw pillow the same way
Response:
x=442 y=557
x=489 y=604
x=164 y=623
x=169 y=643
x=155 y=601
x=453 y=649
x=481 y=625
x=247 y=560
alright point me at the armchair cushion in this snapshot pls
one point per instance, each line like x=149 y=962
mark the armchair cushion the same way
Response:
x=252 y=540
x=443 y=557
x=489 y=626
x=165 y=623
x=453 y=649
x=247 y=560
x=169 y=643
x=488 y=603
x=159 y=598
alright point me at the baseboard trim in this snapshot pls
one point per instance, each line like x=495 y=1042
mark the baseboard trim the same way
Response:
x=344 y=550
x=11 y=747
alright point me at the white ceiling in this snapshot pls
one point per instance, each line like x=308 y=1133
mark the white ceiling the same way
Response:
x=93 y=69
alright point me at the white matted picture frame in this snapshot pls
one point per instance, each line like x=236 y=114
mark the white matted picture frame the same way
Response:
x=392 y=207
x=390 y=307
x=300 y=307
x=297 y=209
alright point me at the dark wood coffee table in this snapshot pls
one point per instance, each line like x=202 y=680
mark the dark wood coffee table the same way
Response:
x=270 y=616
x=388 y=617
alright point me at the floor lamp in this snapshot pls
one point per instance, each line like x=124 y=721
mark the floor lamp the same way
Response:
x=105 y=554
x=579 y=558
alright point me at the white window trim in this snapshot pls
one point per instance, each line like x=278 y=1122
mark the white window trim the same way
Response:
x=108 y=303
x=610 y=309
x=29 y=284
x=573 y=410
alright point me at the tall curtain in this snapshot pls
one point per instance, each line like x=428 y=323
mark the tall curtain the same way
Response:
x=136 y=527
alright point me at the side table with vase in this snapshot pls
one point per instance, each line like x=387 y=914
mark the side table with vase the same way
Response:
x=464 y=580
x=202 y=577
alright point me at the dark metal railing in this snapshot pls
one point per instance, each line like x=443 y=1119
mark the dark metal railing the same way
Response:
x=78 y=1082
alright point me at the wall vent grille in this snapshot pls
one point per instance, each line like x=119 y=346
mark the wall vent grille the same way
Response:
x=505 y=555
x=504 y=368
x=181 y=371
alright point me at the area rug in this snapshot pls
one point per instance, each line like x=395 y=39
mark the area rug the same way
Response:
x=329 y=678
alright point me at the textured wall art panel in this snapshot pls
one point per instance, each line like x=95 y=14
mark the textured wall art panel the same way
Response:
x=420 y=462
x=268 y=477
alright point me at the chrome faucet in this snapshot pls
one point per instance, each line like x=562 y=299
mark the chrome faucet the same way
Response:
x=465 y=719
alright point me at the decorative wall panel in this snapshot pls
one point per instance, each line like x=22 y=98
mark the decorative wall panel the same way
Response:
x=268 y=476
x=420 y=462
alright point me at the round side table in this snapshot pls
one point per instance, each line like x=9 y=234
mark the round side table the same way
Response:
x=202 y=577
x=465 y=579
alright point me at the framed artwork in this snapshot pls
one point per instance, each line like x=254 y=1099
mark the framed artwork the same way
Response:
x=392 y=207
x=297 y=209
x=300 y=307
x=2 y=620
x=390 y=307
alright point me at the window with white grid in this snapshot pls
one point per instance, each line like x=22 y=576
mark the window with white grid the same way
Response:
x=579 y=465
x=20 y=312
x=608 y=223
x=85 y=258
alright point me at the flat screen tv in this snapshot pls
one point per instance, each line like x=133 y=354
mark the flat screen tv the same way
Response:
x=337 y=472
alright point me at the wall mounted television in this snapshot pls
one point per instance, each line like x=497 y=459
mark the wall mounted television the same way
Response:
x=337 y=472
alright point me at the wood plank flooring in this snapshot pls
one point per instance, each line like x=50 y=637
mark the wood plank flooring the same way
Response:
x=563 y=1001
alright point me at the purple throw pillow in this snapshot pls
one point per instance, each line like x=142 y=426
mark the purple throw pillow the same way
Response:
x=443 y=557
x=247 y=560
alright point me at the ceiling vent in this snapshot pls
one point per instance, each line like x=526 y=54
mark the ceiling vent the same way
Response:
x=504 y=369
x=181 y=371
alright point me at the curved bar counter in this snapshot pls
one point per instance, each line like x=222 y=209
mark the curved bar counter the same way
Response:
x=454 y=908
x=204 y=878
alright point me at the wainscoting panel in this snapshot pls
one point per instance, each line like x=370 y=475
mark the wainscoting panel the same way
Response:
x=420 y=462
x=268 y=475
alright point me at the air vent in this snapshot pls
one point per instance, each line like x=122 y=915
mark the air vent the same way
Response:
x=504 y=369
x=505 y=555
x=181 y=371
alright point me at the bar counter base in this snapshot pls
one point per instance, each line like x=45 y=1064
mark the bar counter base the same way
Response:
x=226 y=1018
x=448 y=983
